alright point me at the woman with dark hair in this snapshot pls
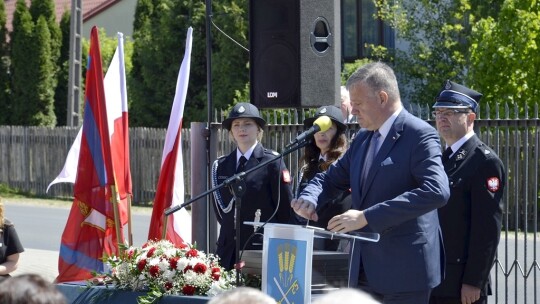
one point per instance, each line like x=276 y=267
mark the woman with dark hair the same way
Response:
x=319 y=154
x=268 y=191
x=10 y=246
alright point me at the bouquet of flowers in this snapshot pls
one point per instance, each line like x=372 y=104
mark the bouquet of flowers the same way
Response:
x=161 y=268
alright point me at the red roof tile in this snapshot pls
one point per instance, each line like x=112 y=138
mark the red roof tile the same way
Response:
x=90 y=8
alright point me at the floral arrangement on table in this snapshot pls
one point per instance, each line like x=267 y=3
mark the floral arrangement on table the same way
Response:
x=161 y=268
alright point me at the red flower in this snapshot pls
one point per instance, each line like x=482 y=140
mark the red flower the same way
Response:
x=145 y=245
x=168 y=285
x=188 y=267
x=151 y=252
x=141 y=265
x=154 y=270
x=188 y=290
x=173 y=262
x=200 y=268
x=192 y=253
x=182 y=246
x=216 y=273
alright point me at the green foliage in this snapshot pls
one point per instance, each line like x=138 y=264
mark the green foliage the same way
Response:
x=4 y=68
x=61 y=92
x=438 y=42
x=34 y=65
x=505 y=55
x=41 y=103
x=230 y=69
x=156 y=60
x=158 y=54
x=22 y=63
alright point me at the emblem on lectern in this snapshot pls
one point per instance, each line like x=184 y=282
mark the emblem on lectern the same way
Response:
x=285 y=277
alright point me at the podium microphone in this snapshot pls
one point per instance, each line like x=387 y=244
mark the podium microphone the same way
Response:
x=320 y=124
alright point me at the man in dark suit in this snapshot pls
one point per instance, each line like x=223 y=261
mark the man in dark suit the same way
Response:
x=397 y=196
x=471 y=221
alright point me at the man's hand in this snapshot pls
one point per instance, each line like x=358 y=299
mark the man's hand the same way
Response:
x=348 y=221
x=469 y=294
x=305 y=209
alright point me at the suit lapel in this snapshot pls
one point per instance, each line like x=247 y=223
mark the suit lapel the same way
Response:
x=384 y=150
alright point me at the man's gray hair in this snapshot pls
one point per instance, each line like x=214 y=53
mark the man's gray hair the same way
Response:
x=378 y=76
x=242 y=295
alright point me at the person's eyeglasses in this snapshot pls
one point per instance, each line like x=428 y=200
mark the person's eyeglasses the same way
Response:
x=447 y=113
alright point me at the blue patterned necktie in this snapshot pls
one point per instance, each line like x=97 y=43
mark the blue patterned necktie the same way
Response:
x=372 y=151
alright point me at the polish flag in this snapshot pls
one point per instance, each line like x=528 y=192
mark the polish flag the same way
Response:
x=117 y=113
x=170 y=188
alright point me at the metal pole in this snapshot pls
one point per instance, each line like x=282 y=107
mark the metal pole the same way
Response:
x=212 y=225
x=200 y=209
x=75 y=70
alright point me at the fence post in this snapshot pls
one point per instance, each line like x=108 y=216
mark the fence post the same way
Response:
x=200 y=208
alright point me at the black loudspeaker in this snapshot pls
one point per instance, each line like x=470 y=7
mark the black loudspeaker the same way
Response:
x=295 y=53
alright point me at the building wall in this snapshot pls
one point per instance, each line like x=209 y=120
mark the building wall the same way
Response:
x=117 y=18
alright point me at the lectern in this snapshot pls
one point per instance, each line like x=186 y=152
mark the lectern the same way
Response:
x=292 y=271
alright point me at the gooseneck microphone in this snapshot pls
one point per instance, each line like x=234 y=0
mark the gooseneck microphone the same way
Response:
x=320 y=124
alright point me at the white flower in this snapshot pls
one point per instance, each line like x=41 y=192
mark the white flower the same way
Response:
x=158 y=275
x=182 y=263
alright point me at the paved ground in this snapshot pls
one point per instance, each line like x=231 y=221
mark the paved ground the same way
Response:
x=43 y=262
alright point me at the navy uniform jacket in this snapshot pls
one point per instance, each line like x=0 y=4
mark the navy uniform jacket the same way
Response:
x=405 y=186
x=267 y=189
x=471 y=221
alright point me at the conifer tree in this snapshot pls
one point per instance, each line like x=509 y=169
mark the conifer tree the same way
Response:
x=22 y=61
x=4 y=68
x=43 y=100
x=61 y=92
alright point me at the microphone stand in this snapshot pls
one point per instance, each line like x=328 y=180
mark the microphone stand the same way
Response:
x=237 y=186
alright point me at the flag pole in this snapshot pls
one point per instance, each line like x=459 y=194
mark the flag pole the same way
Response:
x=130 y=229
x=164 y=233
x=116 y=217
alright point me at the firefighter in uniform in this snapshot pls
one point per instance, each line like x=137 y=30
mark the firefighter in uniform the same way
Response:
x=268 y=189
x=471 y=220
x=321 y=152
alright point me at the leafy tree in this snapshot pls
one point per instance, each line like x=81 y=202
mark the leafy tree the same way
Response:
x=159 y=34
x=438 y=38
x=230 y=68
x=505 y=55
x=22 y=61
x=4 y=68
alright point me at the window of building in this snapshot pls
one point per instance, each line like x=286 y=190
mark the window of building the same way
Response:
x=359 y=28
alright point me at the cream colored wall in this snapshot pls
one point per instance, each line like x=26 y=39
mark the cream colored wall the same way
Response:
x=117 y=18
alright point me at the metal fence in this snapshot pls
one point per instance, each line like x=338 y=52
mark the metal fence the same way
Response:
x=31 y=157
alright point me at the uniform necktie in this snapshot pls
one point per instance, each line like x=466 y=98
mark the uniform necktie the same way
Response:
x=372 y=151
x=241 y=164
x=446 y=154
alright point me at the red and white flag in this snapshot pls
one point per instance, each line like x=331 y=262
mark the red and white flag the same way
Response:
x=114 y=85
x=170 y=188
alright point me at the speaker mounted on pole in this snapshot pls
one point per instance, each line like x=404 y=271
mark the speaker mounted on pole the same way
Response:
x=295 y=53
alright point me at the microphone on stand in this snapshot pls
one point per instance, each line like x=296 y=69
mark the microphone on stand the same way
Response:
x=320 y=124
